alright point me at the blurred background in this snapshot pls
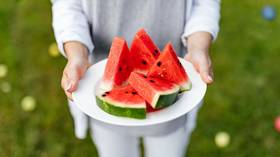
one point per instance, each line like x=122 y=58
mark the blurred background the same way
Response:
x=240 y=108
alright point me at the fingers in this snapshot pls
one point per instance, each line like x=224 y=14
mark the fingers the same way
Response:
x=191 y=59
x=206 y=72
x=70 y=81
x=73 y=78
x=202 y=63
x=69 y=95
x=72 y=74
x=66 y=85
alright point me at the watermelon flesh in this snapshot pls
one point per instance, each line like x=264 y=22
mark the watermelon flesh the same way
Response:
x=143 y=52
x=118 y=66
x=150 y=109
x=123 y=101
x=170 y=68
x=158 y=92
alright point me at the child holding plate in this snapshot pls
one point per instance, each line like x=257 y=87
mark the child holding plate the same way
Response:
x=84 y=30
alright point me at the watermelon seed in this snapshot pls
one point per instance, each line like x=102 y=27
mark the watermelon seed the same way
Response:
x=103 y=95
x=158 y=64
x=107 y=92
x=144 y=62
x=134 y=93
x=155 y=52
x=145 y=76
x=120 y=68
x=152 y=81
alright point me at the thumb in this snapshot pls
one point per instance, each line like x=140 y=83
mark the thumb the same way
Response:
x=73 y=80
x=206 y=73
x=75 y=71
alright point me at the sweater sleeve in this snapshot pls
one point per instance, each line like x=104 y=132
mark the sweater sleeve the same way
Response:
x=204 y=16
x=70 y=24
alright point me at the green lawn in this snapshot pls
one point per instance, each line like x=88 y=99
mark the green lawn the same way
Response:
x=243 y=101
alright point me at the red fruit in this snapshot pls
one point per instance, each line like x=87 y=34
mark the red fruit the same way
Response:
x=118 y=66
x=168 y=67
x=158 y=92
x=123 y=101
x=143 y=52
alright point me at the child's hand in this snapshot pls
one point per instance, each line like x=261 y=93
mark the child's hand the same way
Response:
x=202 y=64
x=198 y=48
x=75 y=68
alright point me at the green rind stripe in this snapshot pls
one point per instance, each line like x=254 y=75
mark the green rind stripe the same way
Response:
x=138 y=113
x=166 y=100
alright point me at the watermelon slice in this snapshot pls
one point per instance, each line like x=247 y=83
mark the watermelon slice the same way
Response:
x=170 y=68
x=158 y=92
x=143 y=52
x=123 y=101
x=118 y=66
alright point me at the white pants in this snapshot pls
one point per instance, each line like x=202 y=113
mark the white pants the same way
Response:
x=111 y=143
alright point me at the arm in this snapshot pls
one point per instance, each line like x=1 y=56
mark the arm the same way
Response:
x=72 y=34
x=70 y=24
x=200 y=30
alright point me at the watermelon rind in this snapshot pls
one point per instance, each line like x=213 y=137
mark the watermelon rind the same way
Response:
x=162 y=100
x=186 y=86
x=106 y=85
x=112 y=108
x=166 y=100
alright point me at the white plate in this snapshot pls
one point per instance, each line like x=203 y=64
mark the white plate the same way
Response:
x=84 y=98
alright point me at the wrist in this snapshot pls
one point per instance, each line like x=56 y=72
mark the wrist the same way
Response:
x=77 y=55
x=199 y=42
x=75 y=50
x=198 y=51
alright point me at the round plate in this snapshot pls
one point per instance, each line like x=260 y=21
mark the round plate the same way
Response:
x=84 y=98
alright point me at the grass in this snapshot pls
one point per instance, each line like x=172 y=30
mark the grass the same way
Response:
x=243 y=101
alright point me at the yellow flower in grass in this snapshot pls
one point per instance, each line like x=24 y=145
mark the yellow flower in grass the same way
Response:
x=28 y=103
x=3 y=70
x=222 y=139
